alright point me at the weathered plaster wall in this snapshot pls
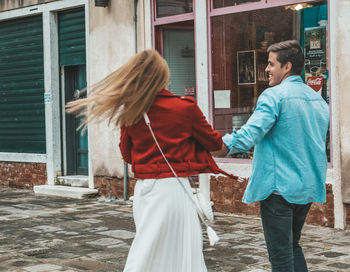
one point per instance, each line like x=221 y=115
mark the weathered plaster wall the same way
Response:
x=14 y=4
x=111 y=41
x=343 y=59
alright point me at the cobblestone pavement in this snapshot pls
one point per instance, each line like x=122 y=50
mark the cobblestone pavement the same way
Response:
x=42 y=234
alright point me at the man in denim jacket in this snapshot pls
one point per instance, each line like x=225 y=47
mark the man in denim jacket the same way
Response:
x=288 y=130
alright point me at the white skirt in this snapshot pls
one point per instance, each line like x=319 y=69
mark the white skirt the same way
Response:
x=168 y=232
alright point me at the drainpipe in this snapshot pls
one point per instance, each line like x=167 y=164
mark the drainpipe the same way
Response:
x=125 y=180
x=125 y=187
x=135 y=23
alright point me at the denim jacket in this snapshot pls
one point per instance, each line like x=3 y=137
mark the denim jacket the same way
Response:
x=288 y=130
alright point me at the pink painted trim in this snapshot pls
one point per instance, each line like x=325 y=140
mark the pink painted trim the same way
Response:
x=174 y=27
x=210 y=71
x=235 y=9
x=254 y=6
x=239 y=7
x=195 y=48
x=212 y=4
x=161 y=41
x=330 y=164
x=152 y=24
x=287 y=2
x=174 y=19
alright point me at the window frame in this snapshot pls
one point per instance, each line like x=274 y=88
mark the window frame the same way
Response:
x=172 y=18
x=162 y=21
x=241 y=7
x=254 y=6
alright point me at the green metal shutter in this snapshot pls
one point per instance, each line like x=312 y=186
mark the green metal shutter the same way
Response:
x=22 y=109
x=71 y=35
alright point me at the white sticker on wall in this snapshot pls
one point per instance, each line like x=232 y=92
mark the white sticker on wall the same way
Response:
x=47 y=98
x=222 y=99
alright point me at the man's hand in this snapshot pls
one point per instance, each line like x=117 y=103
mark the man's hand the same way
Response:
x=220 y=153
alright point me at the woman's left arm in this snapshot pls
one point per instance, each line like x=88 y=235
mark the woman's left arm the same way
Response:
x=203 y=132
x=125 y=145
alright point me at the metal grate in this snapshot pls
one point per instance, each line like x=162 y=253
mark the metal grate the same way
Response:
x=22 y=109
x=71 y=37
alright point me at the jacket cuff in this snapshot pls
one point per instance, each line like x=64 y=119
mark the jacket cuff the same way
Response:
x=228 y=141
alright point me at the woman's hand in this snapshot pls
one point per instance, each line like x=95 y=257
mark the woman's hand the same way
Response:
x=220 y=153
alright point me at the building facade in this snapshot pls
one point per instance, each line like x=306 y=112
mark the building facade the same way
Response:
x=216 y=51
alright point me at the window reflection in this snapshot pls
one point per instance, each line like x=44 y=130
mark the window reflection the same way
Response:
x=228 y=3
x=173 y=7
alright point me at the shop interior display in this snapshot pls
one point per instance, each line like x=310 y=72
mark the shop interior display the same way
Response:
x=239 y=43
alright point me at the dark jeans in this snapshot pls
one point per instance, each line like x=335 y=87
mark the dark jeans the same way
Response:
x=282 y=223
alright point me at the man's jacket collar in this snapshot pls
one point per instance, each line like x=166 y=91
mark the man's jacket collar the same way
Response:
x=293 y=78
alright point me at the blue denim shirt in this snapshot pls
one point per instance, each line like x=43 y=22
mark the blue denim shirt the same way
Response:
x=288 y=129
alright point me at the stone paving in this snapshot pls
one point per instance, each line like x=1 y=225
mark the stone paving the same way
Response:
x=48 y=234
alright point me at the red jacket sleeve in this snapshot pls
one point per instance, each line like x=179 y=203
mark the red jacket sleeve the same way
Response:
x=125 y=145
x=203 y=132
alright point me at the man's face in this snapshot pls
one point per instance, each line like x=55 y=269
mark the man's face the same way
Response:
x=275 y=71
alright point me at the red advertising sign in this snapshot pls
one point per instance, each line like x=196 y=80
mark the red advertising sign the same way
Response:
x=315 y=82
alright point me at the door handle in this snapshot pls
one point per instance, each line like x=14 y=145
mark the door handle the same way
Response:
x=76 y=93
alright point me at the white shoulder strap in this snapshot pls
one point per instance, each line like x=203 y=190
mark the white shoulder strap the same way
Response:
x=213 y=238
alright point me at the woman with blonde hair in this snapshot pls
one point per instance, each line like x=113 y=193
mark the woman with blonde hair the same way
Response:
x=168 y=232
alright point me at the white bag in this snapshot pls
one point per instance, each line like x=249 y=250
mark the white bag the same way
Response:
x=204 y=206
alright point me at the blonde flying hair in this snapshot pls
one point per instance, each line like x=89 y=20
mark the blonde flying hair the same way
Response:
x=125 y=94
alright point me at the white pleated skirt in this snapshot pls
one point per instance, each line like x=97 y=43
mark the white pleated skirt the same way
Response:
x=168 y=232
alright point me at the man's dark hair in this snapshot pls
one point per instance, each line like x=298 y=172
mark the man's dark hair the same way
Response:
x=289 y=51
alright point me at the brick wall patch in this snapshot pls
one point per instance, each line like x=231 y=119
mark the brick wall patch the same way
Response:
x=22 y=175
x=347 y=215
x=113 y=187
x=227 y=196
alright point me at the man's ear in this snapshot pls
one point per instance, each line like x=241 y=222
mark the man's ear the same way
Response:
x=288 y=67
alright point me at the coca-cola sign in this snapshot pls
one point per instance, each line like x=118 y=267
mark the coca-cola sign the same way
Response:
x=315 y=82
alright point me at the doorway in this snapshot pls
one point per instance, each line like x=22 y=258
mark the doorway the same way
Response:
x=75 y=147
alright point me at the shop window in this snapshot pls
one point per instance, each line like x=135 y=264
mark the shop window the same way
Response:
x=173 y=7
x=228 y=3
x=178 y=51
x=239 y=42
x=174 y=39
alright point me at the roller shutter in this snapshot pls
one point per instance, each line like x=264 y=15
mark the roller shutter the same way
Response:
x=71 y=35
x=22 y=109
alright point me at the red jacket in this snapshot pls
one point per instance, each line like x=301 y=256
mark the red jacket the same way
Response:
x=183 y=134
